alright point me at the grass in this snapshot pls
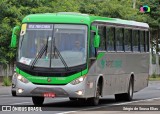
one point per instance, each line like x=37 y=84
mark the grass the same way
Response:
x=6 y=81
x=154 y=77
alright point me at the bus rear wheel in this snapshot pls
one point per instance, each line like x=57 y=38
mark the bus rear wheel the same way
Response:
x=37 y=100
x=126 y=96
x=129 y=95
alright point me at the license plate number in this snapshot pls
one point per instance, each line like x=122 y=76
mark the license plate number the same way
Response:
x=48 y=94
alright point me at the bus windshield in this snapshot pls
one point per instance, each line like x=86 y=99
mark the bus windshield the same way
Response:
x=53 y=45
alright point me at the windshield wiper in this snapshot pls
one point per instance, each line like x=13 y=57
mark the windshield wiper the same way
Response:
x=60 y=56
x=40 y=53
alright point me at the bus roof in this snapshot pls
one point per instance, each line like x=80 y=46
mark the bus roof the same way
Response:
x=58 y=18
x=122 y=23
x=71 y=17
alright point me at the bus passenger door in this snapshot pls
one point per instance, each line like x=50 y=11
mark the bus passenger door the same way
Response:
x=92 y=49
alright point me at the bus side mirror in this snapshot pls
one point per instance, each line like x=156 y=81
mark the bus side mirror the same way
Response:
x=96 y=37
x=14 y=36
x=96 y=41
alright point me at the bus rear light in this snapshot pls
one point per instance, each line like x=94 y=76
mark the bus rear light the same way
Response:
x=78 y=80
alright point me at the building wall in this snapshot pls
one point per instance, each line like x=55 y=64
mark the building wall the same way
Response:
x=3 y=72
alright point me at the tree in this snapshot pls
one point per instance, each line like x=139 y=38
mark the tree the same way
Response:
x=13 y=11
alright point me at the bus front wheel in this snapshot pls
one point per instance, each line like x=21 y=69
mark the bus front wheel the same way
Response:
x=37 y=100
x=95 y=100
x=13 y=93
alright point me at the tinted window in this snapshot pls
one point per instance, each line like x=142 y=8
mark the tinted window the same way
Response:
x=135 y=40
x=102 y=33
x=147 y=40
x=127 y=39
x=119 y=39
x=142 y=41
x=110 y=38
x=91 y=46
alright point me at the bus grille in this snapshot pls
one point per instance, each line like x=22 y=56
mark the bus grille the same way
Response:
x=58 y=91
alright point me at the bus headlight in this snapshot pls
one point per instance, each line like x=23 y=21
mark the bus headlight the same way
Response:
x=78 y=80
x=22 y=79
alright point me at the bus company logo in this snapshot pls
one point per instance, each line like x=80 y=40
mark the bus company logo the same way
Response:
x=110 y=63
x=102 y=64
x=49 y=79
x=114 y=63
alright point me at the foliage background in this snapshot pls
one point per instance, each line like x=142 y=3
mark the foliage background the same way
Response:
x=13 y=11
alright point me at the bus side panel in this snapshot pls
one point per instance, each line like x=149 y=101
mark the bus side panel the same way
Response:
x=92 y=77
x=139 y=64
x=117 y=68
x=115 y=74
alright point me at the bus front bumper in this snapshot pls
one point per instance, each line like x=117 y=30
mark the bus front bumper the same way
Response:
x=29 y=89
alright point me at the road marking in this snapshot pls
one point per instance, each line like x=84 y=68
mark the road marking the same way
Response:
x=20 y=103
x=68 y=112
x=4 y=95
x=151 y=99
x=62 y=99
x=109 y=105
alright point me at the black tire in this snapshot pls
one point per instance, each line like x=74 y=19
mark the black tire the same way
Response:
x=72 y=99
x=13 y=93
x=37 y=100
x=126 y=96
x=95 y=100
x=129 y=95
x=119 y=97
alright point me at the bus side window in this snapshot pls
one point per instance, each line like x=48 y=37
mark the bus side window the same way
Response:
x=110 y=38
x=92 y=50
x=135 y=40
x=142 y=40
x=147 y=40
x=102 y=34
x=127 y=39
x=119 y=39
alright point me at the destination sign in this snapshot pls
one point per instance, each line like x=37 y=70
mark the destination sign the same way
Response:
x=40 y=26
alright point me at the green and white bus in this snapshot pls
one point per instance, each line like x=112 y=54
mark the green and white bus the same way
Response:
x=80 y=56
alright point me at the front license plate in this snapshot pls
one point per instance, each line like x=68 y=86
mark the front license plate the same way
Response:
x=49 y=94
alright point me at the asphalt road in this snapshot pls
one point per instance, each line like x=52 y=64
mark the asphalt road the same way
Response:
x=147 y=96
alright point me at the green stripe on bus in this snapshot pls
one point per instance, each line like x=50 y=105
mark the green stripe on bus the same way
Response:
x=54 y=80
x=100 y=55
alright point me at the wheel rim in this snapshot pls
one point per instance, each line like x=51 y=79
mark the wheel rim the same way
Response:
x=131 y=90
